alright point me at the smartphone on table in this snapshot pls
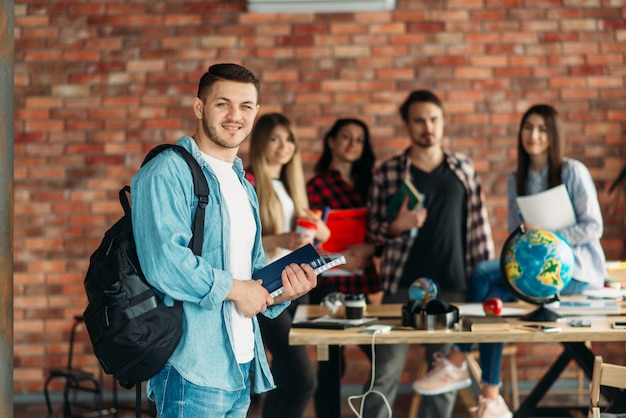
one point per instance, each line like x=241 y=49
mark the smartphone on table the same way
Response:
x=541 y=328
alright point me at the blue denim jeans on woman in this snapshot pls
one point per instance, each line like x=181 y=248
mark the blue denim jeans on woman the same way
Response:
x=486 y=282
x=176 y=397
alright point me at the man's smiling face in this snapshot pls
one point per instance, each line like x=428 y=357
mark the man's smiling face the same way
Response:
x=228 y=113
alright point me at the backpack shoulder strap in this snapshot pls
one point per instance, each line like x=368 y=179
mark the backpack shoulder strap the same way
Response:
x=200 y=189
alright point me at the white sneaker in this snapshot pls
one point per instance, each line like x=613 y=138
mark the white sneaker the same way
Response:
x=443 y=377
x=492 y=408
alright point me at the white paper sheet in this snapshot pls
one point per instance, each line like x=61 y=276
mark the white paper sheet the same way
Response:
x=551 y=209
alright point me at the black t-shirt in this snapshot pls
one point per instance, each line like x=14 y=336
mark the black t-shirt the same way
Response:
x=439 y=249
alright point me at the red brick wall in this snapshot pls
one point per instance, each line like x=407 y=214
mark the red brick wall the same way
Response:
x=96 y=85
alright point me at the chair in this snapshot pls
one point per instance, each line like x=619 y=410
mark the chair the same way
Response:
x=604 y=375
x=77 y=380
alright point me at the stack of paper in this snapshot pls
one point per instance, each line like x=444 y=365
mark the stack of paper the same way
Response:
x=551 y=209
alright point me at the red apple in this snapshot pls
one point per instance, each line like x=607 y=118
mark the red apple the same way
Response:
x=493 y=306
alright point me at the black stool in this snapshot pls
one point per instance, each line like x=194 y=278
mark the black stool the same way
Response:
x=76 y=380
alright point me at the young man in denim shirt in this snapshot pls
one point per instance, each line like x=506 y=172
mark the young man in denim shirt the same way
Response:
x=208 y=375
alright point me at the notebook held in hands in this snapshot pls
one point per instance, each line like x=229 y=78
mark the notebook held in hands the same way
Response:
x=271 y=274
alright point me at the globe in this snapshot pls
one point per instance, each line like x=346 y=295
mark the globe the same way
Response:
x=424 y=290
x=536 y=265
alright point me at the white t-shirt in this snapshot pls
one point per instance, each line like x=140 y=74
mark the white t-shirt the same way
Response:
x=288 y=211
x=242 y=233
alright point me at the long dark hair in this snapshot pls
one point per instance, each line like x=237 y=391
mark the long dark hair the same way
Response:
x=361 y=171
x=555 y=149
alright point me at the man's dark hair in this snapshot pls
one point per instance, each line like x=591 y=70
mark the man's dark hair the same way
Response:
x=418 y=96
x=228 y=72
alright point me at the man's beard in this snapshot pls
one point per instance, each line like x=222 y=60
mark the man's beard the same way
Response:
x=424 y=142
x=212 y=134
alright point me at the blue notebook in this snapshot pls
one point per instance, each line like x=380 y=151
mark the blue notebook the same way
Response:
x=271 y=273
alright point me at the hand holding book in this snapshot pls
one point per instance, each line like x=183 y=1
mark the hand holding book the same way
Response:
x=406 y=190
x=297 y=280
x=272 y=273
x=404 y=210
x=407 y=222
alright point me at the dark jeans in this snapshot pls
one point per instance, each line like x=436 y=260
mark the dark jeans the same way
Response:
x=291 y=367
x=322 y=407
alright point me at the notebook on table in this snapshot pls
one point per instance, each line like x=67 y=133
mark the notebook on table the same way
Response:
x=329 y=322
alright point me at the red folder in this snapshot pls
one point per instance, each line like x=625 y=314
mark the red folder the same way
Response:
x=347 y=227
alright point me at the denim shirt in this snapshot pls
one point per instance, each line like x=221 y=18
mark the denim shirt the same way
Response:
x=163 y=206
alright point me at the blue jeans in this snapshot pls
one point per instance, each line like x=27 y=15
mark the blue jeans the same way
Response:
x=486 y=282
x=176 y=397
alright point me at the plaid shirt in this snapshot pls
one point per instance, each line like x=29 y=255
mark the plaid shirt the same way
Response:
x=329 y=190
x=387 y=178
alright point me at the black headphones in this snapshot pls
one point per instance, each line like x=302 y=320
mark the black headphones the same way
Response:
x=437 y=314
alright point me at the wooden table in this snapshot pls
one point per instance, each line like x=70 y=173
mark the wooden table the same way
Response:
x=573 y=339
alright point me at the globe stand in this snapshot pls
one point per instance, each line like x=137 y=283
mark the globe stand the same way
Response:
x=541 y=314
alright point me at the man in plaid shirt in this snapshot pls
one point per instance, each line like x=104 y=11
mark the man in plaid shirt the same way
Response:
x=442 y=240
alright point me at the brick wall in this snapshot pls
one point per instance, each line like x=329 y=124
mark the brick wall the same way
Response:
x=96 y=85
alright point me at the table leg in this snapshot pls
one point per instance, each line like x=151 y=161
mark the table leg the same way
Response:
x=548 y=379
x=583 y=356
x=332 y=387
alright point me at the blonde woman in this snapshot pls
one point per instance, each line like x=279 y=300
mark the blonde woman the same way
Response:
x=276 y=173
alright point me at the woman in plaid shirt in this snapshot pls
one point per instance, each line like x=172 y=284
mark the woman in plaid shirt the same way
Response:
x=342 y=180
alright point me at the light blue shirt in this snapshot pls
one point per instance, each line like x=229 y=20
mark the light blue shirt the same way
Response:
x=584 y=236
x=163 y=206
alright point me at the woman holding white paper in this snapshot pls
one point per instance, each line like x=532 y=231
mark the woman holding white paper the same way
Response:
x=541 y=166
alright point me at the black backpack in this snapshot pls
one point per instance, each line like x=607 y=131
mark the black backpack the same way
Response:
x=132 y=331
